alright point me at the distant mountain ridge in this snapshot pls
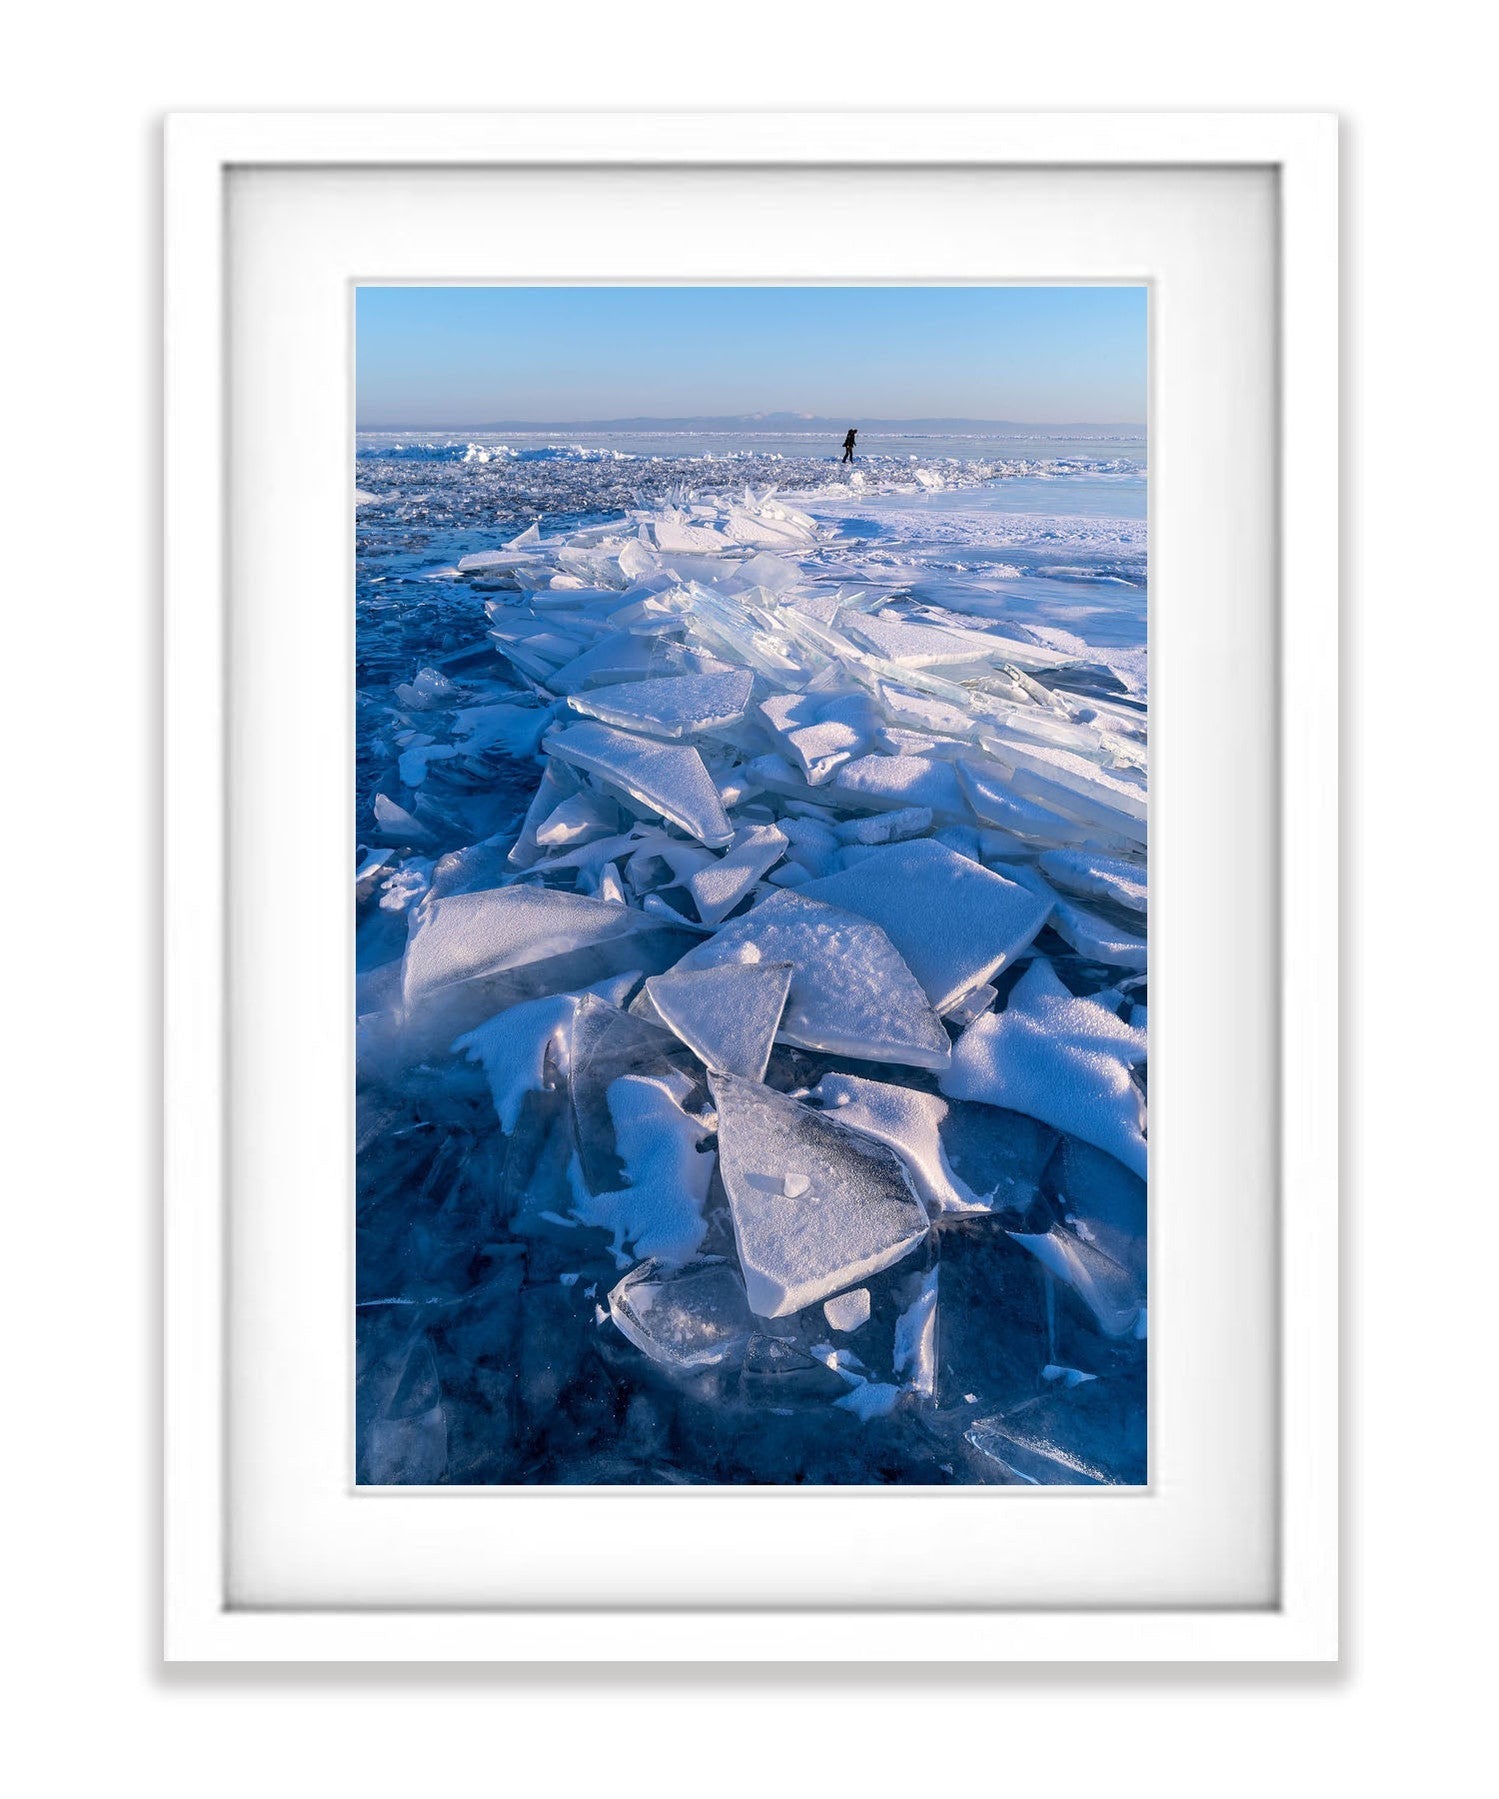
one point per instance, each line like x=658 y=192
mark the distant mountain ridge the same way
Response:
x=776 y=421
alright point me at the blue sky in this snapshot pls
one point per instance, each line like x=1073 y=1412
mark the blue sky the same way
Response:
x=464 y=356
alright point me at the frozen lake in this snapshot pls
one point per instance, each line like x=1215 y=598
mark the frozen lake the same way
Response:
x=751 y=944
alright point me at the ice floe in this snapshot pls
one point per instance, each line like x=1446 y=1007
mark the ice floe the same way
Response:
x=816 y=1207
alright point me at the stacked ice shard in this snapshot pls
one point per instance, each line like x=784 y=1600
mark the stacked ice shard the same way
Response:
x=751 y=1027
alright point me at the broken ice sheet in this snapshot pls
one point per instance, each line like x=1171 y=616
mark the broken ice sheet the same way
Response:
x=816 y=1208
x=955 y=923
x=847 y=1312
x=1107 y=1290
x=1090 y=1433
x=1096 y=938
x=719 y=886
x=469 y=935
x=668 y=779
x=686 y=1318
x=1064 y=1060
x=851 y=993
x=674 y=706
x=1097 y=877
x=907 y=1121
x=727 y=1016
x=819 y=731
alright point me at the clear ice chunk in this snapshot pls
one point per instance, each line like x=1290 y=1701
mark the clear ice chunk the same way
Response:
x=851 y=993
x=671 y=706
x=1096 y=938
x=1096 y=877
x=857 y=1215
x=685 y=1318
x=994 y=803
x=915 y=1348
x=819 y=732
x=1087 y=1433
x=955 y=923
x=469 y=935
x=1064 y=1060
x=668 y=779
x=1107 y=1290
x=727 y=1016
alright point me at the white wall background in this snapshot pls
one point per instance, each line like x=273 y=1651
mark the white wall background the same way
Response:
x=79 y=561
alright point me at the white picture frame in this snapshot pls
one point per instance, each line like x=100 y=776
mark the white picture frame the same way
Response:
x=203 y=1620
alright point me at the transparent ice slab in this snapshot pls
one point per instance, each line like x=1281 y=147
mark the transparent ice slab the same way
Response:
x=471 y=935
x=685 y=1318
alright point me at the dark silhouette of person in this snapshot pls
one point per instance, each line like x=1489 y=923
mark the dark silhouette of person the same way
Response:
x=848 y=443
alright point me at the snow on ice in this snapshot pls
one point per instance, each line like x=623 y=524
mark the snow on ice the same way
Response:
x=751 y=908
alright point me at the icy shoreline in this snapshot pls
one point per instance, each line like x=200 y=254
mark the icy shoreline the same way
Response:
x=760 y=1096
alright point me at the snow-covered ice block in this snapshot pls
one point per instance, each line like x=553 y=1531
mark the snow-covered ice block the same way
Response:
x=933 y=646
x=669 y=779
x=686 y=1318
x=1058 y=1058
x=847 y=1312
x=619 y=657
x=720 y=886
x=907 y=1121
x=816 y=1208
x=469 y=935
x=901 y=781
x=727 y=1016
x=820 y=731
x=954 y=922
x=659 y=1212
x=851 y=993
x=670 y=706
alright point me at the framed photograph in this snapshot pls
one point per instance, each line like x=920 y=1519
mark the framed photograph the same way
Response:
x=815 y=638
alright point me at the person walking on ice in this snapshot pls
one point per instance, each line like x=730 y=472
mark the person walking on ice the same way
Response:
x=848 y=443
